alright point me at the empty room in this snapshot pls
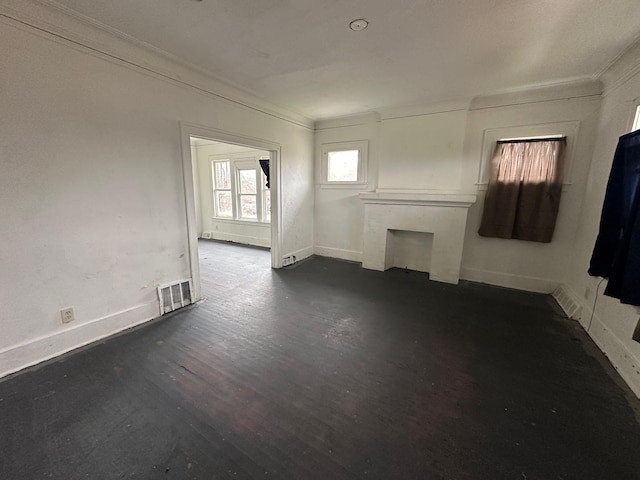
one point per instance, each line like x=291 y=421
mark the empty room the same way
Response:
x=319 y=239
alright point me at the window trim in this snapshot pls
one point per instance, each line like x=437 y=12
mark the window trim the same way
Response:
x=635 y=116
x=362 y=146
x=214 y=189
x=239 y=162
x=492 y=135
x=249 y=165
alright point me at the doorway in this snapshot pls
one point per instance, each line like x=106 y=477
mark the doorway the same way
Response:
x=236 y=211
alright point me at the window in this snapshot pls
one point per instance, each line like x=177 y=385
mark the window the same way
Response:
x=239 y=191
x=247 y=191
x=344 y=164
x=491 y=136
x=222 y=195
x=636 y=120
x=525 y=185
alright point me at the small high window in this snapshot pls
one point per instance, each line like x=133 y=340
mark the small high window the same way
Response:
x=344 y=164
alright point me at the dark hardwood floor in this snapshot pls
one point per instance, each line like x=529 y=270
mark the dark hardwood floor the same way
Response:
x=324 y=370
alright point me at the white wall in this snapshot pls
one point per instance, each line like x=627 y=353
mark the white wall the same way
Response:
x=520 y=264
x=440 y=148
x=248 y=233
x=422 y=151
x=92 y=191
x=339 y=213
x=612 y=323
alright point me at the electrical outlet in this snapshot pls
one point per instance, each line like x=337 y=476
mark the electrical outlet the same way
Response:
x=290 y=260
x=67 y=315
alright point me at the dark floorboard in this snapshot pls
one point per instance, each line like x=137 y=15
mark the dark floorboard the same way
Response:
x=324 y=370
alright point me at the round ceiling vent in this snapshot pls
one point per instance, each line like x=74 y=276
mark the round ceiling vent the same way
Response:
x=358 y=24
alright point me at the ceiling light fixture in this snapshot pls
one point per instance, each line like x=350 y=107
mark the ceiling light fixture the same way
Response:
x=358 y=24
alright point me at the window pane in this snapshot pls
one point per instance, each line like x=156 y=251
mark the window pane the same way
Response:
x=248 y=207
x=223 y=205
x=343 y=166
x=267 y=205
x=636 y=120
x=221 y=175
x=248 y=181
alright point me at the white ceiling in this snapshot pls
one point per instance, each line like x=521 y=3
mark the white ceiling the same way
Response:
x=301 y=54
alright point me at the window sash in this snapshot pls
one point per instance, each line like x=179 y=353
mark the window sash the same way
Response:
x=246 y=190
x=338 y=167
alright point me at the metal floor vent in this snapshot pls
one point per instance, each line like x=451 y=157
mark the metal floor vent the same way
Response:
x=568 y=304
x=174 y=295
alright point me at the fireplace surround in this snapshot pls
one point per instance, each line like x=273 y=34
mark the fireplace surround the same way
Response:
x=442 y=214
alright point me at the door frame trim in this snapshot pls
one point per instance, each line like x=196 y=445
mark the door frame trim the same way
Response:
x=188 y=130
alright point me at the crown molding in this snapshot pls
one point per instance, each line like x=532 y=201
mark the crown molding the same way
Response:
x=585 y=87
x=622 y=69
x=367 y=118
x=447 y=106
x=78 y=31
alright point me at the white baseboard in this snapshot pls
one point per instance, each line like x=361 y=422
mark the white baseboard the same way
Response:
x=32 y=352
x=622 y=359
x=519 y=282
x=234 y=237
x=342 y=254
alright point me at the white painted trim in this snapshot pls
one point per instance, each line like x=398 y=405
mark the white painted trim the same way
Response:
x=491 y=135
x=245 y=223
x=237 y=238
x=622 y=359
x=586 y=87
x=277 y=229
x=37 y=350
x=519 y=282
x=400 y=113
x=362 y=146
x=366 y=118
x=57 y=23
x=190 y=209
x=380 y=197
x=188 y=130
x=339 y=253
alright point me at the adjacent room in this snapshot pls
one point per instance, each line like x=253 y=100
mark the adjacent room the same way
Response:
x=330 y=239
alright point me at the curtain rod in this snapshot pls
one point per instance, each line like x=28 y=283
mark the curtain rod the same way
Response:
x=531 y=140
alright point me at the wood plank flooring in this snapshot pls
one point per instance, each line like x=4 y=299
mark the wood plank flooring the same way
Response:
x=324 y=370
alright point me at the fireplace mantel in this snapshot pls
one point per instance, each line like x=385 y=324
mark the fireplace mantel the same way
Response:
x=426 y=199
x=442 y=214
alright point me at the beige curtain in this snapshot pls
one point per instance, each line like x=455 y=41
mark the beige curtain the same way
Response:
x=524 y=190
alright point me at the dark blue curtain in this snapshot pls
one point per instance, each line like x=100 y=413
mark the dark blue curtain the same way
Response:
x=616 y=254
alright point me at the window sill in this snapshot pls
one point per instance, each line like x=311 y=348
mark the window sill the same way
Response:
x=343 y=186
x=235 y=221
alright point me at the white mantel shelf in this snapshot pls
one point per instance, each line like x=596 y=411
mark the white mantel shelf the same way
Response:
x=425 y=199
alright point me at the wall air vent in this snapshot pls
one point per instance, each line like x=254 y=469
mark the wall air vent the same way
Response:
x=569 y=305
x=175 y=295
